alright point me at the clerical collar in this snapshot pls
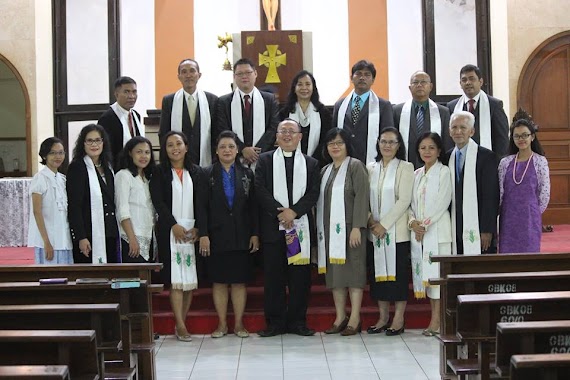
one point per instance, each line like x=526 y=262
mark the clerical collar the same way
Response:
x=287 y=154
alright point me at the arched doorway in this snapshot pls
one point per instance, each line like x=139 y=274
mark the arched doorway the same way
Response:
x=15 y=125
x=544 y=91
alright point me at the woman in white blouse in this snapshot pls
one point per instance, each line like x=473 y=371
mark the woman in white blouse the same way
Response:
x=135 y=212
x=429 y=221
x=48 y=230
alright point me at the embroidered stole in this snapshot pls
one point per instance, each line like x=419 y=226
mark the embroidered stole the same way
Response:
x=98 y=246
x=301 y=225
x=337 y=219
x=434 y=120
x=484 y=118
x=313 y=119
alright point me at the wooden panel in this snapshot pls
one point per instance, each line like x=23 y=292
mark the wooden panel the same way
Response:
x=559 y=189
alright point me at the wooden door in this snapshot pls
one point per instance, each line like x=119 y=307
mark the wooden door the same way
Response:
x=544 y=91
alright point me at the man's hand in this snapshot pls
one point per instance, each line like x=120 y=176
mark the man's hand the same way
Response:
x=486 y=238
x=251 y=154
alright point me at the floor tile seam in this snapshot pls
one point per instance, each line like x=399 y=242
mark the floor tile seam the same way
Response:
x=196 y=358
x=369 y=355
x=414 y=356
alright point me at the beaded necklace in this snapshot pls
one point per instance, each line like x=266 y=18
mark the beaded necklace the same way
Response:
x=525 y=169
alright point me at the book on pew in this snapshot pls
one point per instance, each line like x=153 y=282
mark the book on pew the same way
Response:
x=52 y=281
x=91 y=280
x=124 y=283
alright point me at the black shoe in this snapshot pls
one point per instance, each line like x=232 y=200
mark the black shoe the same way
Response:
x=156 y=336
x=302 y=331
x=392 y=332
x=270 y=331
x=377 y=330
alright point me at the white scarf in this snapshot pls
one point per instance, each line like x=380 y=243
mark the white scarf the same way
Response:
x=98 y=246
x=258 y=106
x=484 y=118
x=422 y=267
x=121 y=112
x=373 y=122
x=299 y=188
x=434 y=121
x=182 y=255
x=311 y=118
x=471 y=236
x=337 y=221
x=205 y=123
x=380 y=205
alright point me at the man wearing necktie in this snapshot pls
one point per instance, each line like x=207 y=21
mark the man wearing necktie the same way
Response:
x=357 y=109
x=474 y=183
x=413 y=117
x=490 y=117
x=181 y=111
x=121 y=121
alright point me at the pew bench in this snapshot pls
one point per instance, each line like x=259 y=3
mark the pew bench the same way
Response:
x=539 y=337
x=540 y=366
x=76 y=349
x=34 y=372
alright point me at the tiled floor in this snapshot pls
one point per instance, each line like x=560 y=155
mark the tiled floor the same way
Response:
x=409 y=356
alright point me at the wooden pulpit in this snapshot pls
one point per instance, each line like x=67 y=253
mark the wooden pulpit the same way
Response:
x=278 y=56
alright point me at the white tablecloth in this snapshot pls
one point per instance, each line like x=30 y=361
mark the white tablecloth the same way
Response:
x=14 y=211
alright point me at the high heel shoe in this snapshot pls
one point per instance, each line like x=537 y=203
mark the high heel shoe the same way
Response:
x=183 y=338
x=377 y=330
x=334 y=329
x=392 y=332
x=349 y=330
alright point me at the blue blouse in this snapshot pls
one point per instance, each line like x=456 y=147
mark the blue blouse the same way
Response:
x=229 y=184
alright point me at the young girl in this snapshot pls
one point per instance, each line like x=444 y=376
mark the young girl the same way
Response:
x=135 y=211
x=48 y=231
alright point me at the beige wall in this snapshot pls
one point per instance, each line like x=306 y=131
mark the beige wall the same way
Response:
x=530 y=23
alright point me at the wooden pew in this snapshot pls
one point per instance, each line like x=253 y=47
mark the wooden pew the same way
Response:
x=477 y=264
x=143 y=336
x=34 y=372
x=478 y=315
x=539 y=337
x=540 y=366
x=76 y=349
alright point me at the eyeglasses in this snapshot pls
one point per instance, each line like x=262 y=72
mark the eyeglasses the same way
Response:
x=337 y=144
x=243 y=74
x=388 y=142
x=524 y=136
x=418 y=82
x=57 y=154
x=289 y=132
x=92 y=142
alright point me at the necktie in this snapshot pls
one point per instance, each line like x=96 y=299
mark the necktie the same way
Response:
x=356 y=109
x=130 y=123
x=458 y=166
x=471 y=108
x=420 y=120
x=192 y=109
x=247 y=106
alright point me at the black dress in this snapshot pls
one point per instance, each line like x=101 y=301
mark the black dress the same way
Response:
x=230 y=228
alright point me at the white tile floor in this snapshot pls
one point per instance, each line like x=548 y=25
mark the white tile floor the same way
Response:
x=409 y=356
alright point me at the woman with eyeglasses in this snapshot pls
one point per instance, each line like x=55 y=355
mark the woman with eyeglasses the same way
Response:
x=524 y=183
x=342 y=214
x=48 y=230
x=429 y=221
x=91 y=195
x=391 y=184
x=304 y=106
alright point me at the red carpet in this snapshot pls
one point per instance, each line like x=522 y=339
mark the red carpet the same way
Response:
x=202 y=318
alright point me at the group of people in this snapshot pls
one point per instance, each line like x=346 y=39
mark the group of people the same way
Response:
x=364 y=194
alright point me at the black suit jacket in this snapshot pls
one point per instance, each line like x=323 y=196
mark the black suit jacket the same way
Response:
x=269 y=225
x=412 y=139
x=224 y=121
x=486 y=172
x=79 y=202
x=326 y=125
x=359 y=131
x=161 y=194
x=112 y=125
x=499 y=125
x=192 y=132
x=230 y=229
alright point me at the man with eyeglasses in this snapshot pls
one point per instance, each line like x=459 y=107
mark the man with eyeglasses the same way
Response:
x=250 y=113
x=420 y=114
x=121 y=121
x=475 y=194
x=191 y=111
x=362 y=113
x=491 y=123
x=287 y=184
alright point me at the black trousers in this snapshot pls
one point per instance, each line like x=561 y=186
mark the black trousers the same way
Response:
x=278 y=275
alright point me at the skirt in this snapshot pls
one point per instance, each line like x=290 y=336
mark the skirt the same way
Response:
x=60 y=256
x=392 y=290
x=127 y=259
x=233 y=267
